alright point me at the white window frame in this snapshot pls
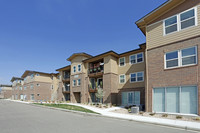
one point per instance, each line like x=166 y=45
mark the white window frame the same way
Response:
x=180 y=90
x=74 y=69
x=124 y=78
x=136 y=73
x=31 y=86
x=124 y=62
x=25 y=87
x=78 y=67
x=179 y=21
x=78 y=82
x=136 y=62
x=74 y=83
x=180 y=58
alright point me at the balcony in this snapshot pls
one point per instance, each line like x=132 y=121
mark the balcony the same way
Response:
x=66 y=76
x=95 y=84
x=66 y=88
x=96 y=69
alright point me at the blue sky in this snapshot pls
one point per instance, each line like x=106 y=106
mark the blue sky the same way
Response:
x=41 y=34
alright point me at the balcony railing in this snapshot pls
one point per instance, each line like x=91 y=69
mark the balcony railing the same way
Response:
x=66 y=89
x=66 y=78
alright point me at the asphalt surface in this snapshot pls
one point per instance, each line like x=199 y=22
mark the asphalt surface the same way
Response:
x=24 y=118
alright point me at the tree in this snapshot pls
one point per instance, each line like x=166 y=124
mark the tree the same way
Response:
x=99 y=94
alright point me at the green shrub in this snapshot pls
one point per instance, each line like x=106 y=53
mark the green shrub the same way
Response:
x=152 y=114
x=179 y=117
x=165 y=115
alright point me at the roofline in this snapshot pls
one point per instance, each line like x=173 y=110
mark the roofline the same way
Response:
x=74 y=54
x=14 y=78
x=156 y=9
x=3 y=85
x=37 y=72
x=111 y=51
x=133 y=49
x=63 y=67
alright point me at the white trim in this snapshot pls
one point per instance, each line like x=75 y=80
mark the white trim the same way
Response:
x=179 y=106
x=179 y=21
x=73 y=69
x=80 y=67
x=137 y=77
x=124 y=61
x=136 y=62
x=78 y=81
x=180 y=58
x=124 y=78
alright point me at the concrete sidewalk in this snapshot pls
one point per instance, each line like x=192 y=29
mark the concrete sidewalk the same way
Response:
x=158 y=121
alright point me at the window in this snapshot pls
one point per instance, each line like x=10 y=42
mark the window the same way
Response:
x=74 y=82
x=31 y=86
x=78 y=82
x=131 y=98
x=38 y=95
x=137 y=77
x=20 y=88
x=79 y=68
x=32 y=97
x=175 y=99
x=180 y=58
x=37 y=74
x=136 y=58
x=38 y=84
x=16 y=88
x=122 y=79
x=51 y=77
x=187 y=19
x=122 y=61
x=32 y=76
x=171 y=25
x=74 y=69
x=181 y=21
x=52 y=87
x=24 y=87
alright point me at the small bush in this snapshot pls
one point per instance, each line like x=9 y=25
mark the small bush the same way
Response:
x=165 y=115
x=141 y=113
x=197 y=118
x=152 y=114
x=129 y=109
x=179 y=117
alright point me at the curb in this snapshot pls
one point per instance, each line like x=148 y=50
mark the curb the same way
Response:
x=113 y=117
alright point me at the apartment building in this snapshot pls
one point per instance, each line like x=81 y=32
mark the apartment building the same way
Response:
x=35 y=86
x=17 y=88
x=6 y=91
x=173 y=42
x=121 y=76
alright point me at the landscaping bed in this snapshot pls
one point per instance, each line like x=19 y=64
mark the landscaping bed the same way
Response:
x=69 y=107
x=159 y=115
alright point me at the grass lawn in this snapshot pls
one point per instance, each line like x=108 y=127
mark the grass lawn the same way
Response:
x=69 y=107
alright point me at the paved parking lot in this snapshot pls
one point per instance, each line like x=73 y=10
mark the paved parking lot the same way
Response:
x=24 y=118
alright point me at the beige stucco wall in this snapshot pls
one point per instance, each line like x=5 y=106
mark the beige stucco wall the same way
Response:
x=110 y=64
x=155 y=32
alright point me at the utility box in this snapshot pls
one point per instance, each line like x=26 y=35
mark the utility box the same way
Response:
x=135 y=110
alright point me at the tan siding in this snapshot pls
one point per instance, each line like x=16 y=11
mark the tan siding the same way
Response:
x=110 y=64
x=155 y=36
x=128 y=69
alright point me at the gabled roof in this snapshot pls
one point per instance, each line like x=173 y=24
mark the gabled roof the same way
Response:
x=16 y=78
x=64 y=68
x=78 y=54
x=153 y=15
x=29 y=71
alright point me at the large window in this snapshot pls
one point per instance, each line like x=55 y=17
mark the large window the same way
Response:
x=131 y=98
x=175 y=99
x=136 y=58
x=122 y=61
x=137 y=77
x=180 y=21
x=32 y=97
x=122 y=79
x=180 y=58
